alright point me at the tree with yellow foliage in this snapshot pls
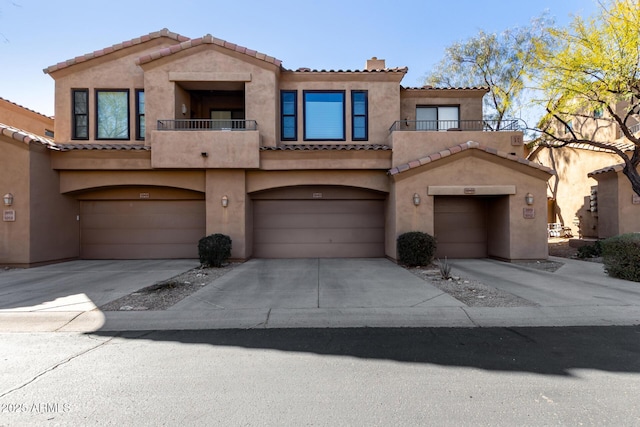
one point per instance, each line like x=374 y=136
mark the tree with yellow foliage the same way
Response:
x=593 y=72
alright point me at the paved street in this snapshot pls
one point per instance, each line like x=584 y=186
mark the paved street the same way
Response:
x=363 y=376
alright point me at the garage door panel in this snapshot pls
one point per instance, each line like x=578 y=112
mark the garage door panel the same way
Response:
x=318 y=228
x=141 y=229
x=460 y=227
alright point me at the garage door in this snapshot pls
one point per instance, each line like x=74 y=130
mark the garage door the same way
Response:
x=318 y=228
x=460 y=225
x=141 y=229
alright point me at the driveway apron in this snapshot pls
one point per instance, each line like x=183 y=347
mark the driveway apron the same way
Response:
x=317 y=283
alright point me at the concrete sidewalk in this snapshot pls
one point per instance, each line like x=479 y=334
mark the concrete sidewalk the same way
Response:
x=310 y=293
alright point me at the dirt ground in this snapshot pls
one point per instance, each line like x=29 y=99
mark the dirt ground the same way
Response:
x=560 y=247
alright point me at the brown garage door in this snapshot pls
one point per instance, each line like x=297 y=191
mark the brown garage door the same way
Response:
x=141 y=229
x=460 y=225
x=318 y=228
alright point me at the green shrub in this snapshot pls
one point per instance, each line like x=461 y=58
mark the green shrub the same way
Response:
x=590 y=251
x=214 y=249
x=621 y=256
x=416 y=248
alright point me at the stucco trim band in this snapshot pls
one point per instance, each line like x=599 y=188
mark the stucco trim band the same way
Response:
x=181 y=76
x=470 y=190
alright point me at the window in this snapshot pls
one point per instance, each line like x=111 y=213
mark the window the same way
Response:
x=140 y=121
x=359 y=113
x=289 y=108
x=80 y=119
x=112 y=114
x=437 y=118
x=598 y=112
x=324 y=115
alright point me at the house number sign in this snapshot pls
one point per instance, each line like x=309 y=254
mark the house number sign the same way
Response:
x=529 y=213
x=9 y=215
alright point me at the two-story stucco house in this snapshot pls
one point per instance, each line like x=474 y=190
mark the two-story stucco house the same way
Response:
x=163 y=139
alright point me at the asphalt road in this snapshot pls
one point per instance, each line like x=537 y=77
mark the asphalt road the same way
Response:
x=443 y=376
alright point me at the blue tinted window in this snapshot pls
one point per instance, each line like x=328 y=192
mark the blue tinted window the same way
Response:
x=289 y=120
x=324 y=115
x=359 y=115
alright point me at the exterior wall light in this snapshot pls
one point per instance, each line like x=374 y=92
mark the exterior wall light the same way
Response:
x=416 y=199
x=184 y=110
x=528 y=198
x=8 y=199
x=225 y=201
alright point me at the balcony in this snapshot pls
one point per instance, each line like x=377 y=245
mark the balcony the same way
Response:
x=456 y=125
x=207 y=124
x=205 y=144
x=413 y=139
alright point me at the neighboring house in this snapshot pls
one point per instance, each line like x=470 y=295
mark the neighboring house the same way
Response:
x=163 y=139
x=575 y=197
x=25 y=119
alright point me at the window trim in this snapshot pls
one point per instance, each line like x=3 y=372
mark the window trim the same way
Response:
x=304 y=107
x=97 y=114
x=139 y=135
x=74 y=115
x=294 y=115
x=365 y=115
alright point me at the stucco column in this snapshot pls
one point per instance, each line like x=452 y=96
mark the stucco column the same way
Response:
x=229 y=220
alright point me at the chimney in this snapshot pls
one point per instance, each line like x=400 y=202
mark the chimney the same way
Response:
x=375 y=64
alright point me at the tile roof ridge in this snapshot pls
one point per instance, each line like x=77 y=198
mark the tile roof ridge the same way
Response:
x=429 y=87
x=26 y=137
x=25 y=108
x=118 y=46
x=207 y=39
x=462 y=147
x=613 y=168
x=403 y=70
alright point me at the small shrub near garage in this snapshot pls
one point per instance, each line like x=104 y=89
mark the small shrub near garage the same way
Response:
x=621 y=256
x=416 y=248
x=214 y=250
x=590 y=251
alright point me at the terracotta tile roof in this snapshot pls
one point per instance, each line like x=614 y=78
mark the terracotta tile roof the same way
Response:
x=614 y=168
x=402 y=70
x=428 y=87
x=208 y=39
x=25 y=108
x=26 y=137
x=98 y=53
x=621 y=145
x=328 y=147
x=126 y=147
x=470 y=145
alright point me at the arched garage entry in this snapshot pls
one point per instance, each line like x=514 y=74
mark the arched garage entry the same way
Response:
x=141 y=223
x=318 y=222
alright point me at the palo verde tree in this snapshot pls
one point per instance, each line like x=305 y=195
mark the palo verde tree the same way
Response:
x=594 y=72
x=502 y=62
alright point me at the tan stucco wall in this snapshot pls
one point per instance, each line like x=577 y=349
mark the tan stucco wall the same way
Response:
x=413 y=145
x=55 y=231
x=74 y=181
x=617 y=213
x=14 y=179
x=469 y=101
x=115 y=71
x=22 y=118
x=383 y=101
x=572 y=187
x=520 y=238
x=101 y=160
x=325 y=159
x=217 y=65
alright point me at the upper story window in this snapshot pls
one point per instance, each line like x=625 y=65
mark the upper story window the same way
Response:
x=80 y=119
x=359 y=115
x=112 y=114
x=437 y=117
x=324 y=115
x=140 y=121
x=289 y=119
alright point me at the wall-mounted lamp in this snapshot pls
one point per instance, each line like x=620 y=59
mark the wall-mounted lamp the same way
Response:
x=8 y=199
x=225 y=201
x=184 y=109
x=416 y=199
x=528 y=198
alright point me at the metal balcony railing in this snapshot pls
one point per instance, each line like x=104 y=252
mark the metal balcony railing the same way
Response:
x=455 y=125
x=207 y=124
